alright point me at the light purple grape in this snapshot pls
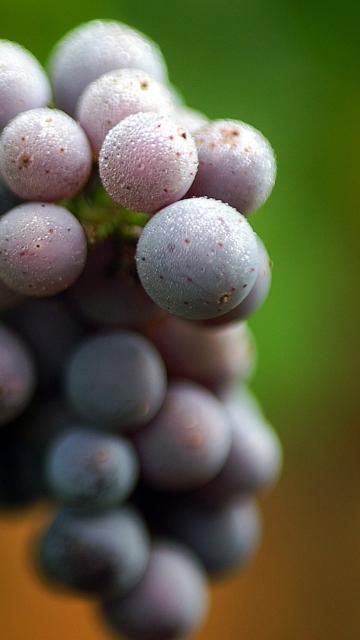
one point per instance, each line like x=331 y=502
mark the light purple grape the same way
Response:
x=23 y=82
x=197 y=258
x=42 y=249
x=170 y=601
x=255 y=297
x=187 y=442
x=17 y=375
x=116 y=380
x=116 y=95
x=147 y=162
x=93 y=48
x=44 y=155
x=236 y=165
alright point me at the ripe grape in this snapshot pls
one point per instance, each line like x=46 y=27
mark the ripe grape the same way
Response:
x=44 y=155
x=147 y=162
x=90 y=471
x=188 y=440
x=236 y=165
x=116 y=95
x=92 y=49
x=23 y=82
x=197 y=258
x=42 y=249
x=100 y=555
x=116 y=380
x=170 y=601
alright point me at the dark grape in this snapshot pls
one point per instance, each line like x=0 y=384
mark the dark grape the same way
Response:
x=188 y=440
x=103 y=555
x=170 y=601
x=116 y=380
x=90 y=471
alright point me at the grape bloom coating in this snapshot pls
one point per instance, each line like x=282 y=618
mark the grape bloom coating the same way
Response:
x=147 y=162
x=42 y=249
x=197 y=258
x=236 y=165
x=44 y=155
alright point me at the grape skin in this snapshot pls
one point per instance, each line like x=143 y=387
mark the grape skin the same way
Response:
x=101 y=555
x=236 y=165
x=44 y=155
x=92 y=49
x=116 y=379
x=170 y=601
x=23 y=82
x=197 y=258
x=42 y=249
x=116 y=95
x=90 y=471
x=187 y=442
x=147 y=161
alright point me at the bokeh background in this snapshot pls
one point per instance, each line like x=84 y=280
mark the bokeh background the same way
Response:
x=291 y=69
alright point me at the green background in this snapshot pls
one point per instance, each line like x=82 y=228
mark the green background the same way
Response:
x=291 y=69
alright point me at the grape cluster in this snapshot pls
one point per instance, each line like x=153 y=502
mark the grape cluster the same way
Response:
x=128 y=269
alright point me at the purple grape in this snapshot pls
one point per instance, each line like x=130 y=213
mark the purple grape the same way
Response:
x=197 y=258
x=255 y=458
x=44 y=155
x=90 y=471
x=187 y=442
x=116 y=95
x=17 y=375
x=236 y=165
x=147 y=162
x=256 y=296
x=100 y=555
x=225 y=537
x=214 y=357
x=42 y=249
x=170 y=601
x=116 y=380
x=23 y=82
x=92 y=49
